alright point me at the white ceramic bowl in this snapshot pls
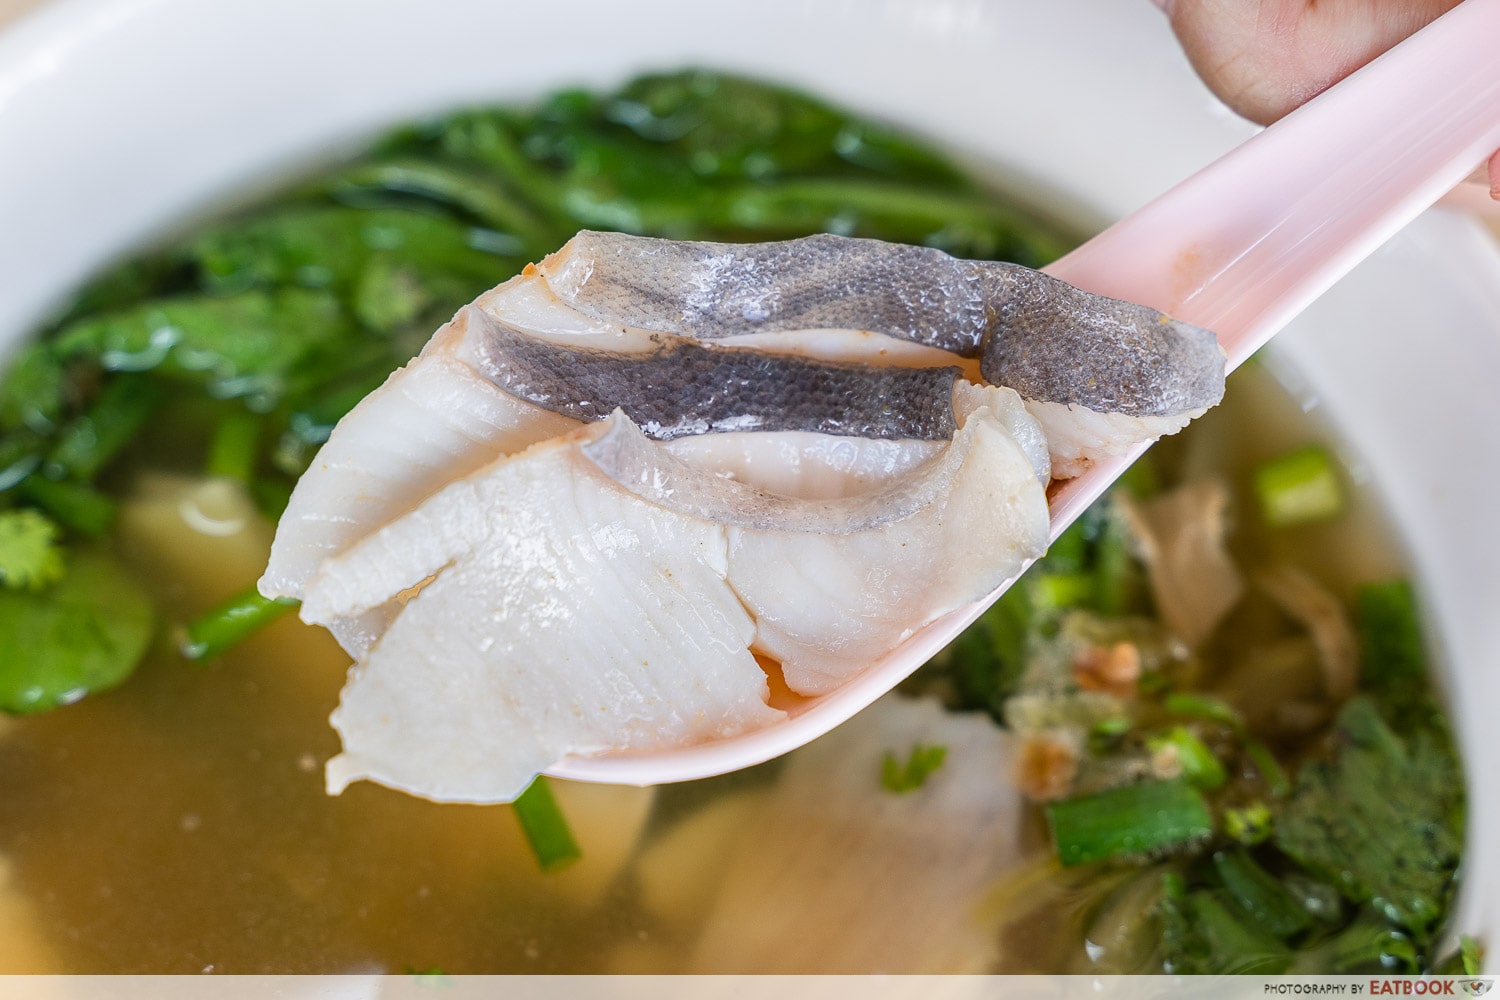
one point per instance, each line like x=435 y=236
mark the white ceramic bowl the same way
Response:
x=120 y=119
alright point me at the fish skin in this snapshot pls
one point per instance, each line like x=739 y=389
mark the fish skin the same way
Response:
x=1110 y=357
x=683 y=388
x=1043 y=337
x=709 y=291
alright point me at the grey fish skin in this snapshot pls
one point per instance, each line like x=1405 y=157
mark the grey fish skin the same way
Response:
x=686 y=388
x=1040 y=336
x=1110 y=357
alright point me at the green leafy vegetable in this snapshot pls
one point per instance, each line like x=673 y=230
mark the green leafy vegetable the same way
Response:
x=1203 y=935
x=1381 y=820
x=91 y=440
x=1131 y=820
x=243 y=345
x=34 y=390
x=1277 y=782
x=297 y=308
x=30 y=558
x=479 y=195
x=1261 y=896
x=76 y=506
x=900 y=778
x=1393 y=657
x=84 y=634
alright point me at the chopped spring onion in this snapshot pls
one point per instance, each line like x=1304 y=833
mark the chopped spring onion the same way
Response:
x=1299 y=487
x=234 y=447
x=1200 y=768
x=1108 y=733
x=1249 y=825
x=545 y=827
x=236 y=618
x=1204 y=706
x=1132 y=819
x=1271 y=771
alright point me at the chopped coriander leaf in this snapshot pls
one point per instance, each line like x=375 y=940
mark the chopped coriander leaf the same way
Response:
x=30 y=556
x=900 y=778
x=545 y=826
x=1299 y=488
x=1130 y=820
x=84 y=634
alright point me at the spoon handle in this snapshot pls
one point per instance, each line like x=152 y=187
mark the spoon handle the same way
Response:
x=1251 y=240
x=1245 y=244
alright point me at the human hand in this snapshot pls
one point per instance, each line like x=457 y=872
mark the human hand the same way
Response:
x=1264 y=58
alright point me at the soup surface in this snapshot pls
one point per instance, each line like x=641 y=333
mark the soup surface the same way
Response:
x=173 y=819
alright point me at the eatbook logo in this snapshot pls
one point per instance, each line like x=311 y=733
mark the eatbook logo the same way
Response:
x=1476 y=987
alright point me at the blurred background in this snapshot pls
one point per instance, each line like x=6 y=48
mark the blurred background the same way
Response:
x=12 y=9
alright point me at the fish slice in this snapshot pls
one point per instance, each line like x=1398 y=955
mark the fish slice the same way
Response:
x=1240 y=248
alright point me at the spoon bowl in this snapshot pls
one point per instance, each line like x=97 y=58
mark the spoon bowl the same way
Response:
x=1241 y=248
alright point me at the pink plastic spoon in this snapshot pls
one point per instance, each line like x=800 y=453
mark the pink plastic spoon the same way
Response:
x=1240 y=248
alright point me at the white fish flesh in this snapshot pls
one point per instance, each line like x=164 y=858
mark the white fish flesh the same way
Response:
x=614 y=489
x=597 y=593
